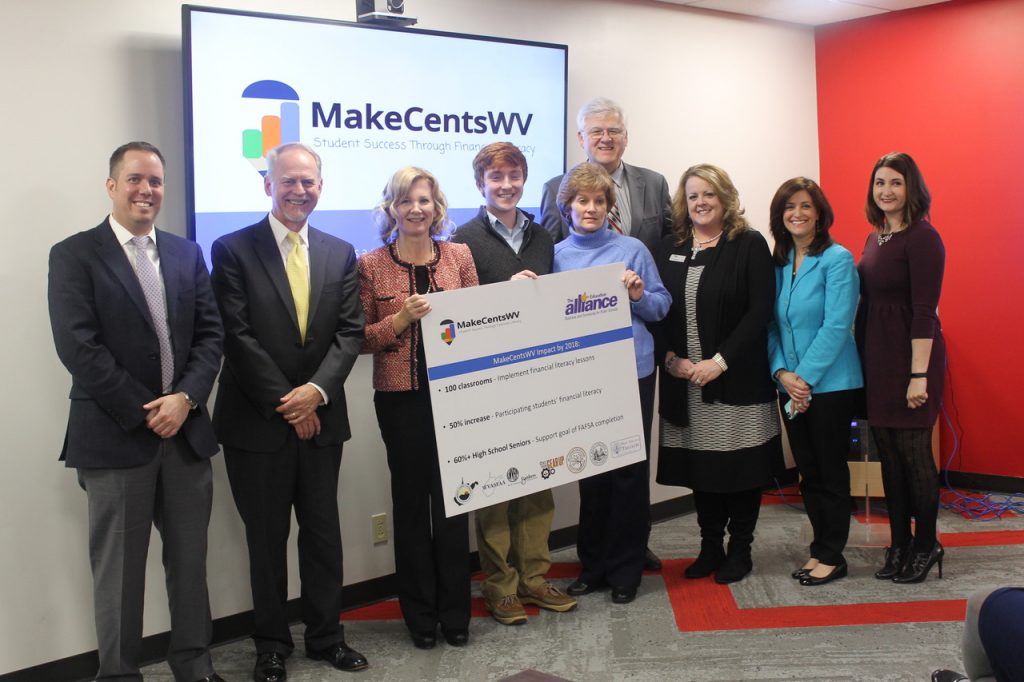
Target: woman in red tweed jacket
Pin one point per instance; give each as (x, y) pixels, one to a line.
(431, 551)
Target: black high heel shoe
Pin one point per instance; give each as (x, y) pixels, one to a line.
(920, 564)
(895, 558)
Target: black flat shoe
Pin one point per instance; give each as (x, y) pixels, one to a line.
(920, 563)
(801, 572)
(270, 668)
(948, 676)
(623, 595)
(580, 587)
(836, 573)
(895, 557)
(423, 640)
(341, 656)
(456, 636)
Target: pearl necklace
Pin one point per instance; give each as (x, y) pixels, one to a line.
(698, 246)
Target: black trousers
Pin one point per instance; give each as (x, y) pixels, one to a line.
(911, 485)
(431, 551)
(738, 511)
(266, 486)
(820, 440)
(615, 513)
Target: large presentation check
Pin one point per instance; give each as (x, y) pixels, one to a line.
(533, 384)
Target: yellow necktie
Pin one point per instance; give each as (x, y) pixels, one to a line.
(298, 280)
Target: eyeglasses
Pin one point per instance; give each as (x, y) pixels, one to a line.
(598, 133)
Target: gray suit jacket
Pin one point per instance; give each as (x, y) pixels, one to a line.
(650, 204)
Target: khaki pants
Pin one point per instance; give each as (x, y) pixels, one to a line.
(512, 538)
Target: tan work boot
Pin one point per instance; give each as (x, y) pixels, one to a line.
(508, 610)
(547, 596)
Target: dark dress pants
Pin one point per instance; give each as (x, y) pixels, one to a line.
(615, 513)
(174, 492)
(266, 485)
(820, 441)
(431, 551)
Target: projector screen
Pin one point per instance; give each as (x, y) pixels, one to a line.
(369, 100)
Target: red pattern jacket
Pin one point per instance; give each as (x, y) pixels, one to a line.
(385, 283)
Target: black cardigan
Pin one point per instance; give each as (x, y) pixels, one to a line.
(735, 300)
(494, 259)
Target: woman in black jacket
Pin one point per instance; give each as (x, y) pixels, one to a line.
(719, 423)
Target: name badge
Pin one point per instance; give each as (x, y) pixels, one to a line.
(677, 258)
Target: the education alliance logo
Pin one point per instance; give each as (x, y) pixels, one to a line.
(585, 303)
(279, 127)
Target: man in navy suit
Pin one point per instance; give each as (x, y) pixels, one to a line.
(289, 295)
(135, 322)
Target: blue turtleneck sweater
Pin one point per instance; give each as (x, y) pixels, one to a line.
(586, 249)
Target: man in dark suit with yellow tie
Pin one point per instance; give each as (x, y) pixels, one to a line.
(289, 296)
(135, 323)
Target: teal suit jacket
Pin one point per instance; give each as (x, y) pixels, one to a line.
(812, 330)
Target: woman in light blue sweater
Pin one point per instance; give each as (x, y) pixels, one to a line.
(613, 506)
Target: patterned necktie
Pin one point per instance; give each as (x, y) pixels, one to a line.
(149, 280)
(614, 220)
(298, 280)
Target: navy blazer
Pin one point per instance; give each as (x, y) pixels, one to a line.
(649, 201)
(812, 331)
(264, 355)
(104, 335)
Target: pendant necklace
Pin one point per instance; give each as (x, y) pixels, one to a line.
(698, 246)
(883, 238)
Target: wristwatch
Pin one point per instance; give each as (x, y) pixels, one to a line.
(192, 404)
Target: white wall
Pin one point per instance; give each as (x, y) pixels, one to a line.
(82, 76)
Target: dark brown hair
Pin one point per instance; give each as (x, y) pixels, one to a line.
(783, 239)
(919, 199)
(118, 156)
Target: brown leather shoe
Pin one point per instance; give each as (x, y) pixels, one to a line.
(547, 596)
(508, 610)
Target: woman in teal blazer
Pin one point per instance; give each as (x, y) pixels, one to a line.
(814, 362)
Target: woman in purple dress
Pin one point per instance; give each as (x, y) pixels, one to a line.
(904, 359)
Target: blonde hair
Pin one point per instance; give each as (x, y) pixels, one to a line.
(733, 221)
(398, 188)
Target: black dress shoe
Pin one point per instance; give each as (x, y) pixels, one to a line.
(651, 561)
(212, 678)
(270, 668)
(456, 636)
(580, 587)
(341, 656)
(423, 640)
(623, 595)
(836, 573)
(948, 676)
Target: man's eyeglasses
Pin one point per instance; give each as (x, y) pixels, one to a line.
(598, 133)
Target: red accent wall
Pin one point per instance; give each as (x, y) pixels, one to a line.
(945, 83)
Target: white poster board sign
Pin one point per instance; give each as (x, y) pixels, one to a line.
(533, 384)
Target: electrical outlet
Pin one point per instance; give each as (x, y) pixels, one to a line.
(379, 523)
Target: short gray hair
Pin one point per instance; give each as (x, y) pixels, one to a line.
(276, 152)
(599, 105)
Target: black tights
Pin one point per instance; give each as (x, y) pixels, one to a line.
(911, 485)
